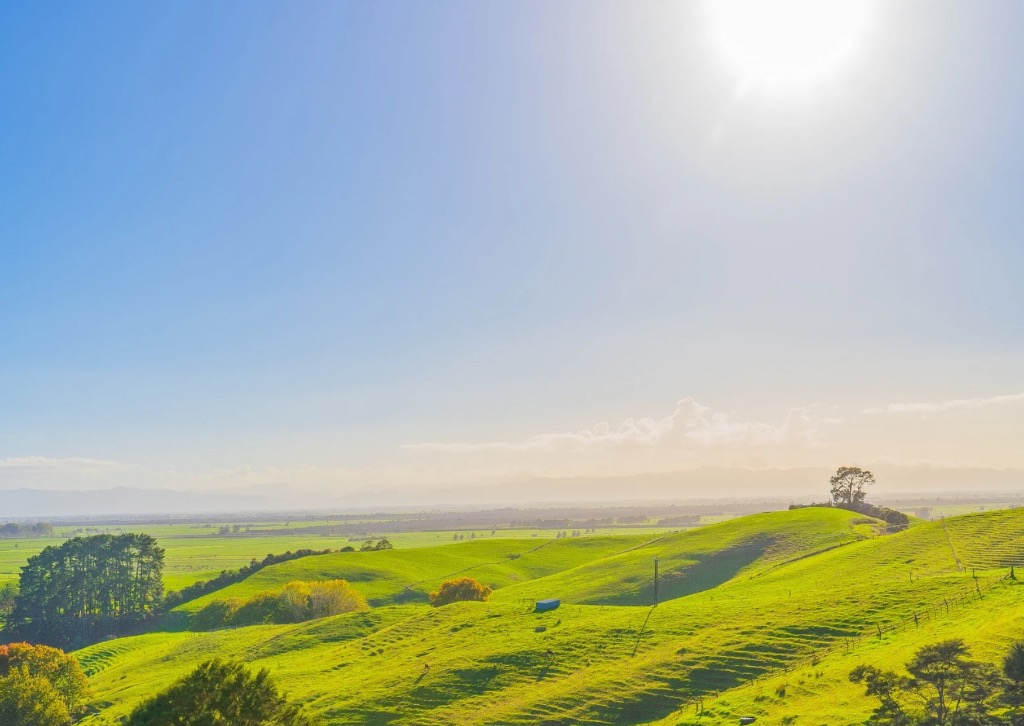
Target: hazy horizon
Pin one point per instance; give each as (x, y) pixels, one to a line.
(357, 250)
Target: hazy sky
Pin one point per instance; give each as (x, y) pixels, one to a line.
(337, 243)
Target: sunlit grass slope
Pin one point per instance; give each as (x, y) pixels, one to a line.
(700, 559)
(490, 663)
(397, 575)
(988, 540)
(821, 693)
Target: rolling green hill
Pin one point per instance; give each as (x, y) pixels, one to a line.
(799, 599)
(392, 576)
(700, 559)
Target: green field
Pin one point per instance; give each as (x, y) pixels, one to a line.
(786, 602)
(197, 552)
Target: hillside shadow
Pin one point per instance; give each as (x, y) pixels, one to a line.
(709, 572)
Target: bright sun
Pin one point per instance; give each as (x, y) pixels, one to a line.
(783, 44)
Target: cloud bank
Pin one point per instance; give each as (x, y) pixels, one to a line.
(953, 405)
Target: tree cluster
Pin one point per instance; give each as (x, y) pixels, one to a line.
(847, 489)
(462, 589)
(8, 595)
(295, 603)
(220, 692)
(88, 588)
(13, 530)
(944, 686)
(40, 686)
(230, 577)
(370, 546)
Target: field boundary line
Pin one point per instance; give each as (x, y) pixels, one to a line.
(952, 547)
(802, 557)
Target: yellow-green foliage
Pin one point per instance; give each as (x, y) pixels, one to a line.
(30, 700)
(296, 602)
(308, 600)
(464, 589)
(61, 670)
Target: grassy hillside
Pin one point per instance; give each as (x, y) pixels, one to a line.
(698, 560)
(198, 552)
(794, 598)
(391, 576)
(988, 540)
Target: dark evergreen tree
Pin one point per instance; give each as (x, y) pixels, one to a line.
(220, 692)
(88, 588)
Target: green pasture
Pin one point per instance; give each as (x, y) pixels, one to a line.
(798, 601)
(391, 576)
(198, 552)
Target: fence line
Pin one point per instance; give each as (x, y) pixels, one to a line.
(961, 597)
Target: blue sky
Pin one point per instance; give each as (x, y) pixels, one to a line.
(401, 241)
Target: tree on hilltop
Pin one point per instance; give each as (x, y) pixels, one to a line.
(848, 485)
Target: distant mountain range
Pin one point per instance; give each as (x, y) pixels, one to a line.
(798, 485)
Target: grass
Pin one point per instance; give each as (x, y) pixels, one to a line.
(197, 552)
(761, 605)
(399, 575)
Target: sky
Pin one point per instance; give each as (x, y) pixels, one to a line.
(331, 245)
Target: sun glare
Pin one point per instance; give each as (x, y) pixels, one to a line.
(782, 44)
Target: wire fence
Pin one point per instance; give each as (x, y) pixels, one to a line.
(959, 598)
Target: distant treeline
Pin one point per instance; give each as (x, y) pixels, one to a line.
(891, 517)
(13, 530)
(230, 577)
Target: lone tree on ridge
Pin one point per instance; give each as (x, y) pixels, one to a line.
(848, 485)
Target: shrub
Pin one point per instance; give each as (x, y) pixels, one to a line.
(262, 609)
(333, 597)
(295, 603)
(218, 614)
(465, 588)
(220, 692)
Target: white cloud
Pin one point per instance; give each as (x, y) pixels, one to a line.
(690, 426)
(952, 405)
